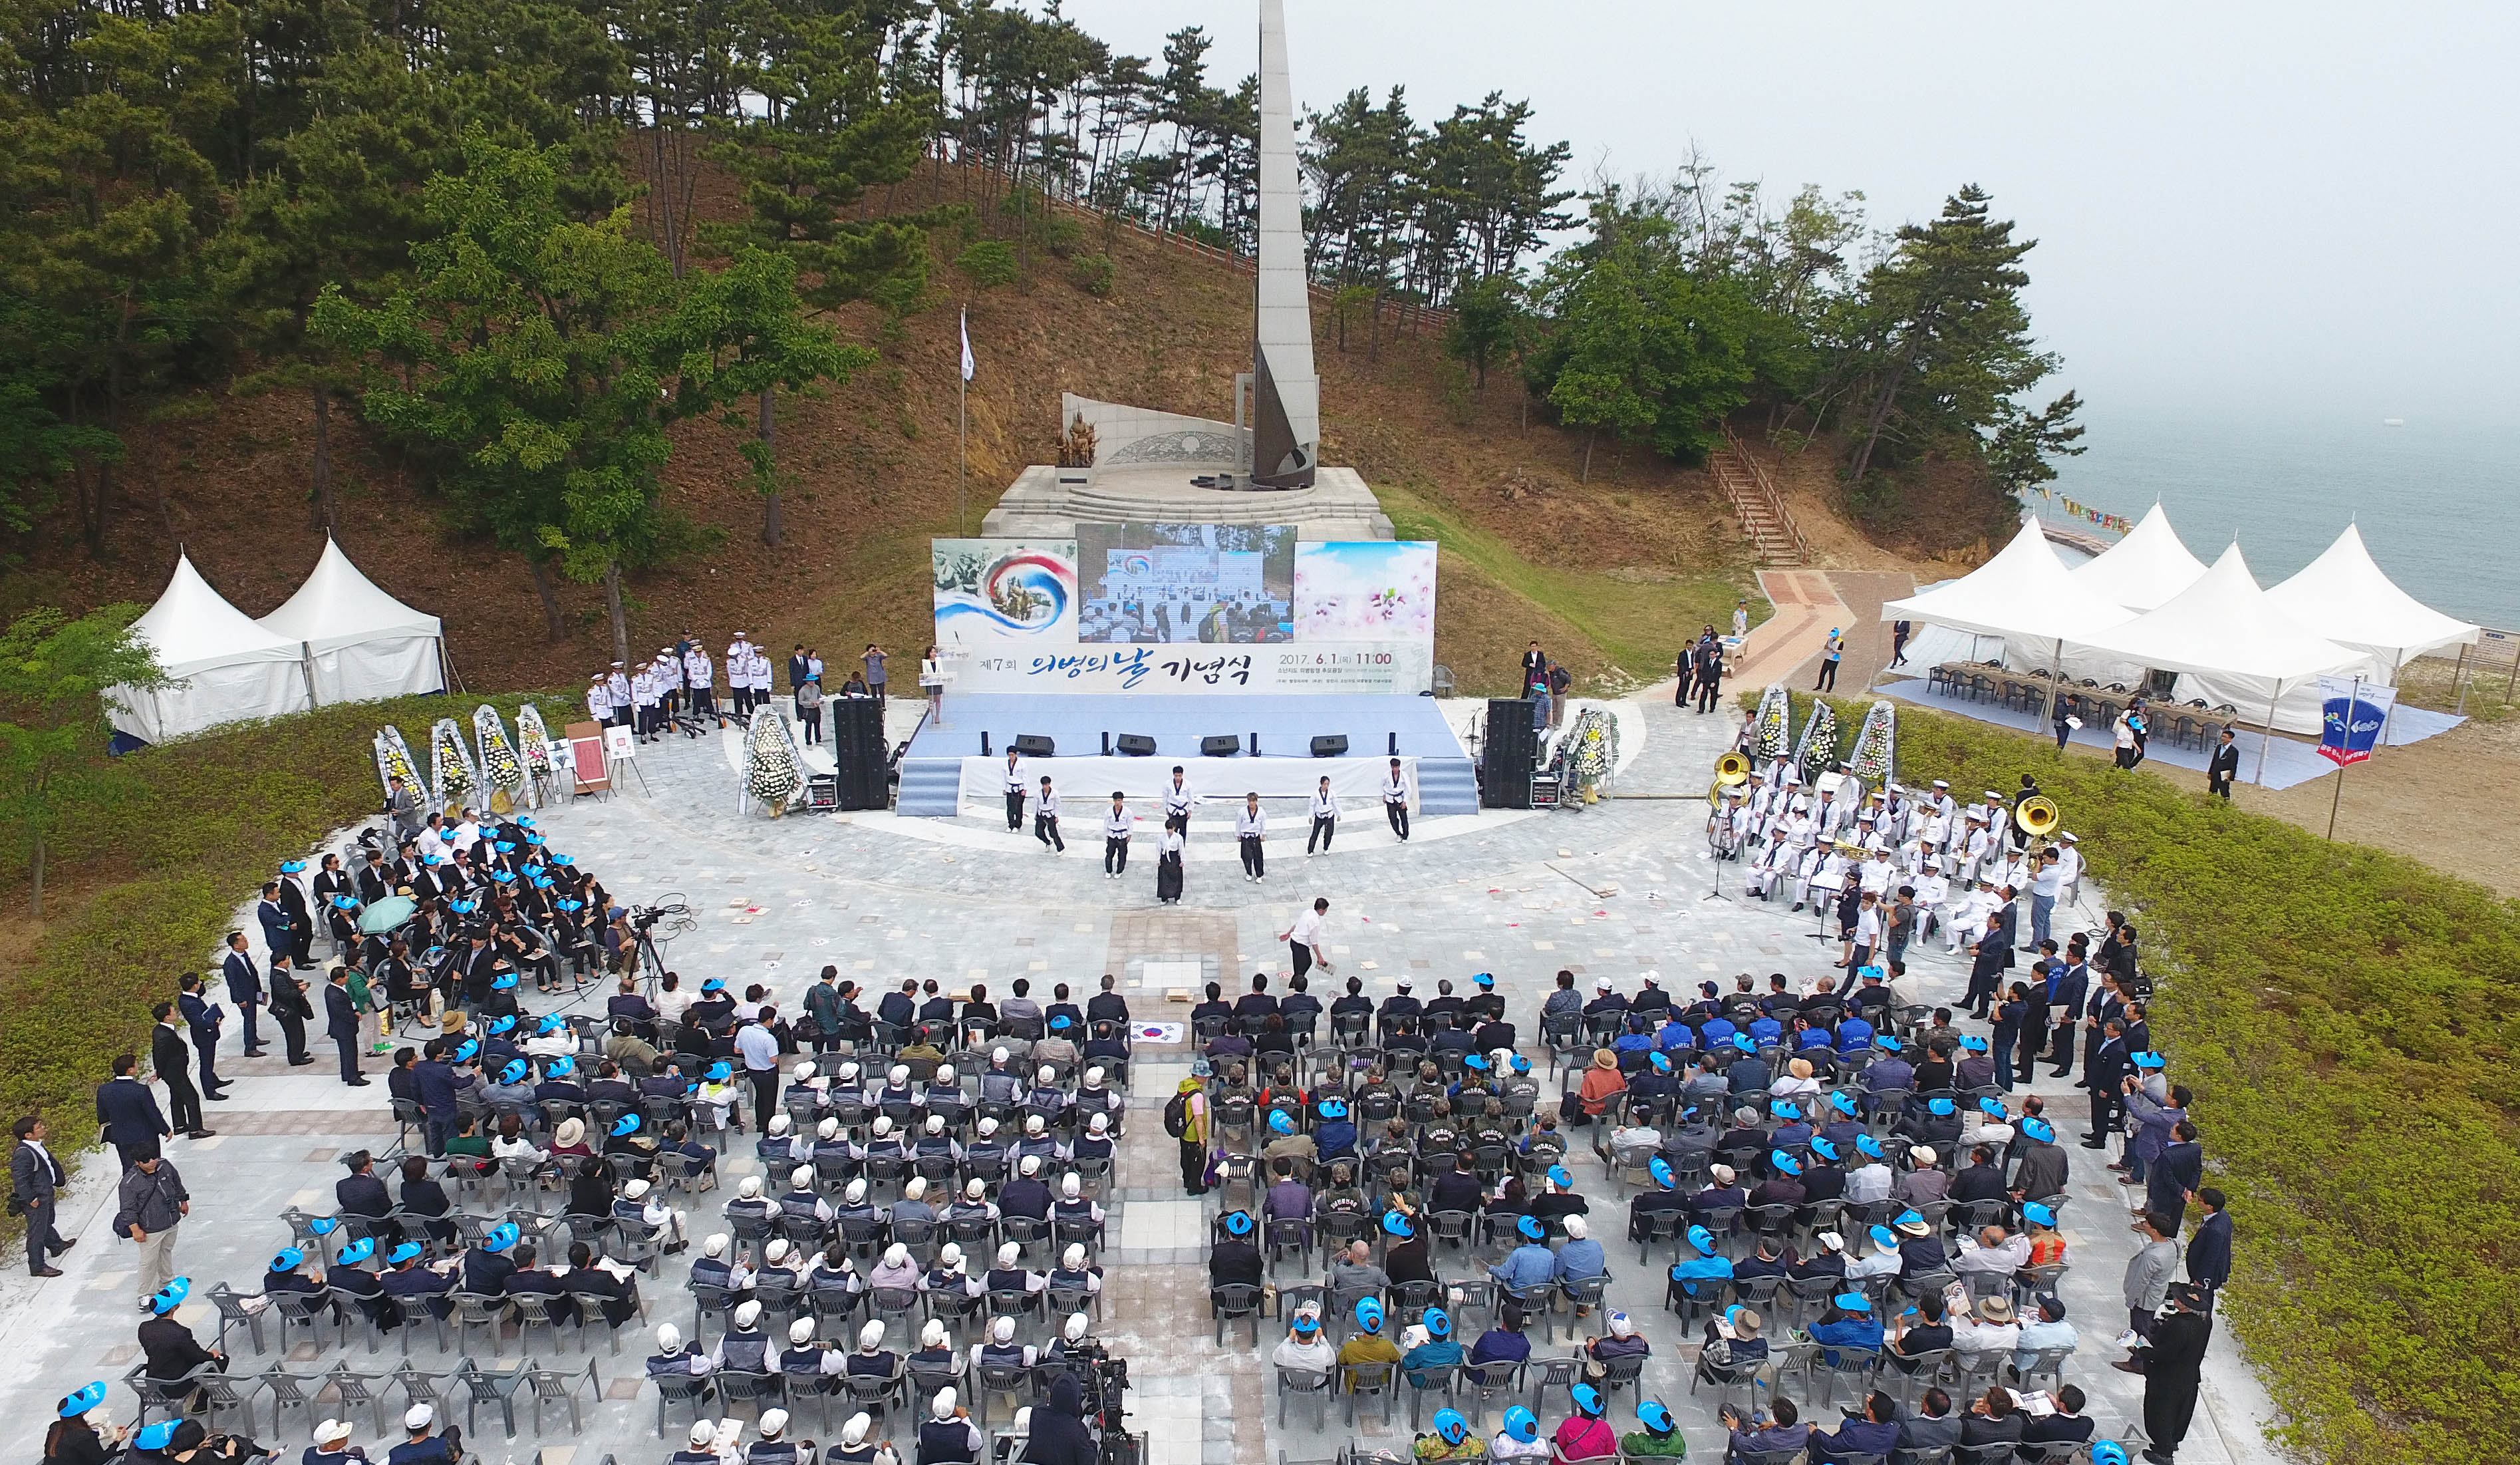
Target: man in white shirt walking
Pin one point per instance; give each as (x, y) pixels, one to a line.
(1304, 938)
(1178, 802)
(1395, 800)
(1324, 816)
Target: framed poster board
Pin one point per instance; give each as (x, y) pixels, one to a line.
(586, 756)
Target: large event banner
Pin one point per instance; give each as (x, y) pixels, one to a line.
(1186, 607)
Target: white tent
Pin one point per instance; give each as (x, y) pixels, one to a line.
(2025, 595)
(359, 643)
(225, 667)
(2233, 646)
(2145, 569)
(2344, 596)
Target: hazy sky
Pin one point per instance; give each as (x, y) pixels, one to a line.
(2273, 208)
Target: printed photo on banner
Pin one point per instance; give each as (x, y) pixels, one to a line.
(2352, 712)
(1366, 590)
(1005, 593)
(1171, 583)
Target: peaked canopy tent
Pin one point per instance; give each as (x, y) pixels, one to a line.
(2025, 594)
(2232, 645)
(223, 666)
(2143, 571)
(357, 642)
(2343, 596)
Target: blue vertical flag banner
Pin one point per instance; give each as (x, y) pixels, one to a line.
(2352, 714)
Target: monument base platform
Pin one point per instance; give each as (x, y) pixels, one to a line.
(1038, 506)
(944, 769)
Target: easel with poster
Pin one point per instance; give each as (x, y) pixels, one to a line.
(621, 748)
(585, 744)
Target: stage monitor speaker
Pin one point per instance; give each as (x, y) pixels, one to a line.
(1136, 745)
(1032, 745)
(1334, 744)
(1507, 757)
(865, 766)
(1222, 745)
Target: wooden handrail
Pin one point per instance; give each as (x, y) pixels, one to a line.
(1764, 490)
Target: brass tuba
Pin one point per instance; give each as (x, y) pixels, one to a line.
(2038, 816)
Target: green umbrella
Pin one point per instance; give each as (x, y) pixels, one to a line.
(387, 914)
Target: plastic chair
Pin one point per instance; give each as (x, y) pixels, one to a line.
(741, 1385)
(560, 1386)
(232, 1309)
(311, 1309)
(475, 1309)
(1235, 1301)
(680, 1388)
(1422, 1383)
(1012, 1381)
(416, 1314)
(1485, 1382)
(481, 1387)
(1858, 1364)
(1292, 1382)
(353, 1393)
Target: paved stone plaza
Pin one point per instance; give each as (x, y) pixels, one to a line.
(1614, 888)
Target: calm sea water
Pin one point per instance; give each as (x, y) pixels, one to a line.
(2436, 500)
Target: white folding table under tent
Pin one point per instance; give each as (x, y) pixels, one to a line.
(2143, 571)
(224, 667)
(2231, 646)
(357, 642)
(2344, 596)
(2024, 595)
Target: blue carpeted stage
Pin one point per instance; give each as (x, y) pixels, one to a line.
(1377, 728)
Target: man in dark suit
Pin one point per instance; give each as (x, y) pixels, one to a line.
(35, 1180)
(341, 1024)
(1535, 668)
(289, 1005)
(167, 1056)
(2209, 1252)
(202, 1017)
(301, 917)
(245, 989)
(1710, 674)
(126, 1111)
(2107, 1073)
(1993, 958)
(2223, 766)
(278, 935)
(2170, 1180)
(2069, 982)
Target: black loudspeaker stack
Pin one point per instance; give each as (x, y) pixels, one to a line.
(857, 746)
(1222, 745)
(1508, 753)
(1331, 745)
(1033, 745)
(1136, 745)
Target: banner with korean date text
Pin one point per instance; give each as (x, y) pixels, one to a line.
(1400, 669)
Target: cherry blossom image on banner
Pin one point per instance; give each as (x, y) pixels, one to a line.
(1366, 590)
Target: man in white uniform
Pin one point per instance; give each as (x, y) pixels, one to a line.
(1395, 800)
(1115, 837)
(738, 673)
(1178, 802)
(1249, 827)
(599, 698)
(699, 679)
(1045, 819)
(1012, 787)
(1324, 816)
(616, 691)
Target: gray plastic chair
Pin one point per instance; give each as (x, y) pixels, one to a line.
(1292, 1382)
(483, 1387)
(680, 1388)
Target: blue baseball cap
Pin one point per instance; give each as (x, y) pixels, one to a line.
(2109, 1452)
(1530, 1228)
(566, 903)
(287, 1258)
(1702, 1239)
(720, 1072)
(1449, 1423)
(1884, 1238)
(2038, 1128)
(1476, 1062)
(2033, 1211)
(1334, 1108)
(1972, 1042)
(1368, 1313)
(292, 866)
(1661, 1063)
(463, 908)
(1281, 1121)
(1485, 978)
(1522, 1425)
(1521, 1065)
(345, 903)
(1843, 1103)
(1992, 1107)
(1587, 1400)
(560, 1067)
(1558, 1177)
(75, 1404)
(1868, 1145)
(628, 1123)
(322, 1225)
(499, 1025)
(1852, 1301)
(1942, 1106)
(503, 877)
(409, 1251)
(514, 1073)
(156, 1436)
(2147, 1060)
(1237, 1224)
(468, 1051)
(1783, 1164)
(506, 981)
(1439, 1323)
(1785, 1109)
(1396, 1224)
(1062, 1023)
(551, 1023)
(714, 985)
(356, 1252)
(1823, 1148)
(1654, 1417)
(1741, 1041)
(1660, 1169)
(504, 846)
(1887, 1043)
(501, 1237)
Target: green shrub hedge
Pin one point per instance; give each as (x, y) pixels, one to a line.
(197, 825)
(2348, 1019)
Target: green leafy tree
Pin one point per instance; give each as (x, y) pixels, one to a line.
(1488, 321)
(539, 353)
(2019, 450)
(53, 674)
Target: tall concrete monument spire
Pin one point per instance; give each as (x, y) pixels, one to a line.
(1287, 418)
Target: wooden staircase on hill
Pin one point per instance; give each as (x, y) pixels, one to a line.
(1756, 504)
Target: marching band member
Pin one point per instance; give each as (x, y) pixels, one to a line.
(699, 679)
(616, 691)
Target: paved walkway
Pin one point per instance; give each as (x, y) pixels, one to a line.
(1786, 646)
(1616, 889)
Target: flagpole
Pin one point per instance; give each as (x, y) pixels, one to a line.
(963, 427)
(2338, 797)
